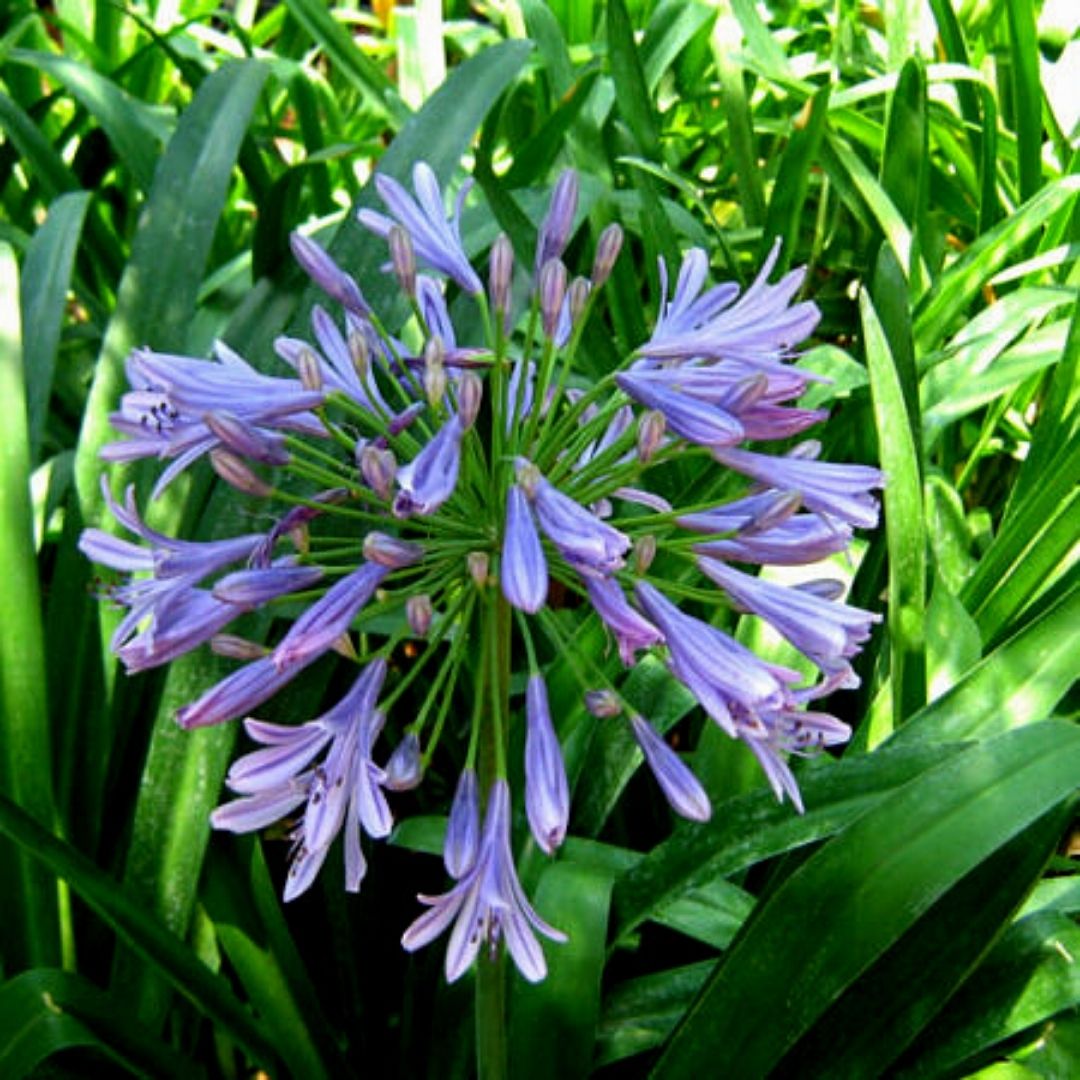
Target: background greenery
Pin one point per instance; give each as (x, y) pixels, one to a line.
(921, 159)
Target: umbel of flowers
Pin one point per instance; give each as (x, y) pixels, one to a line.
(453, 483)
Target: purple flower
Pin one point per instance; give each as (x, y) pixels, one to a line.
(430, 478)
(825, 631)
(715, 668)
(547, 795)
(462, 840)
(328, 618)
(345, 790)
(321, 268)
(487, 905)
(163, 412)
(827, 487)
(695, 420)
(523, 568)
(795, 541)
(435, 239)
(680, 786)
(631, 629)
(761, 325)
(582, 538)
(556, 226)
(253, 588)
(236, 694)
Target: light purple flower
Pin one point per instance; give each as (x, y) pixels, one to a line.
(487, 905)
(462, 840)
(404, 767)
(695, 420)
(547, 794)
(321, 268)
(589, 545)
(255, 587)
(825, 631)
(237, 694)
(430, 478)
(631, 629)
(827, 487)
(163, 412)
(559, 220)
(523, 568)
(328, 618)
(680, 786)
(795, 541)
(761, 325)
(435, 239)
(716, 669)
(345, 790)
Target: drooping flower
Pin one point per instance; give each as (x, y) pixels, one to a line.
(487, 905)
(680, 786)
(523, 568)
(547, 794)
(343, 791)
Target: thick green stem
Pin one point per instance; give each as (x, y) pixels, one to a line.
(491, 1040)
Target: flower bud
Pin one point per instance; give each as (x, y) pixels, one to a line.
(402, 259)
(404, 418)
(607, 251)
(390, 551)
(434, 372)
(644, 553)
(602, 703)
(650, 434)
(478, 563)
(463, 827)
(501, 273)
(310, 372)
(579, 297)
(822, 588)
(378, 468)
(359, 352)
(245, 440)
(237, 648)
(547, 793)
(418, 613)
(552, 290)
(470, 393)
(235, 472)
(405, 769)
(680, 786)
(556, 226)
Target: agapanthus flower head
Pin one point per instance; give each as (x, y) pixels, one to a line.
(460, 503)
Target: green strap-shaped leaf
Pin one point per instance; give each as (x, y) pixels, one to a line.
(122, 118)
(849, 904)
(904, 524)
(29, 931)
(156, 298)
(209, 993)
(44, 1011)
(46, 279)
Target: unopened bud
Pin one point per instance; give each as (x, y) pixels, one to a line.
(404, 770)
(607, 251)
(806, 451)
(644, 552)
(434, 372)
(478, 564)
(778, 509)
(404, 418)
(386, 550)
(235, 472)
(378, 468)
(528, 476)
(237, 648)
(602, 703)
(579, 297)
(822, 588)
(403, 259)
(359, 352)
(552, 290)
(747, 393)
(501, 272)
(419, 612)
(470, 394)
(556, 226)
(310, 372)
(650, 434)
(245, 440)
